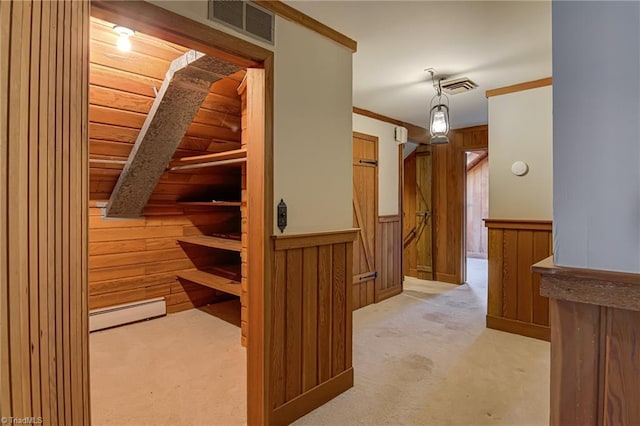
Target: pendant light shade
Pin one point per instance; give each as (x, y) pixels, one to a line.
(439, 115)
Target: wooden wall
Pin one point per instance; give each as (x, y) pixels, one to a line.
(514, 301)
(121, 93)
(311, 341)
(448, 186)
(44, 360)
(389, 262)
(131, 260)
(595, 367)
(477, 208)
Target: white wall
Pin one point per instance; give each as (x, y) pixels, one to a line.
(388, 167)
(312, 130)
(312, 122)
(520, 129)
(596, 110)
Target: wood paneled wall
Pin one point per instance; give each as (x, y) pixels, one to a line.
(389, 280)
(477, 209)
(595, 366)
(138, 259)
(44, 360)
(121, 93)
(449, 202)
(311, 342)
(514, 301)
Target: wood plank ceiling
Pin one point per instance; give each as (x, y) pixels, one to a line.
(121, 92)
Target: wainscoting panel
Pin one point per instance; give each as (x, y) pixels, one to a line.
(514, 301)
(389, 280)
(311, 344)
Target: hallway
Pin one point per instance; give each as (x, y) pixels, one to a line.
(426, 358)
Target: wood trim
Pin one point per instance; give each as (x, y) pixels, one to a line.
(388, 293)
(313, 398)
(366, 137)
(519, 87)
(389, 218)
(415, 133)
(294, 15)
(519, 327)
(533, 225)
(287, 242)
(606, 288)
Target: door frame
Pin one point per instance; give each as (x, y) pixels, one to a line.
(175, 28)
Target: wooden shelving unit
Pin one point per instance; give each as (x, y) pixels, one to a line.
(208, 278)
(211, 203)
(235, 156)
(213, 242)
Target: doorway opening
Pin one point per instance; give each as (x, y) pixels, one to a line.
(171, 128)
(477, 209)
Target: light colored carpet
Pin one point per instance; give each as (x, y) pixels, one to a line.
(426, 358)
(421, 358)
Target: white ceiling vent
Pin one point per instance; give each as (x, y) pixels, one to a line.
(243, 16)
(459, 85)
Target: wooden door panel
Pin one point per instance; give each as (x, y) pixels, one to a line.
(365, 217)
(423, 215)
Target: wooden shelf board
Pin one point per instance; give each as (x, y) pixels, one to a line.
(213, 242)
(236, 154)
(206, 278)
(211, 203)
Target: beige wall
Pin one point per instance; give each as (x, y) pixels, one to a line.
(388, 168)
(520, 129)
(312, 123)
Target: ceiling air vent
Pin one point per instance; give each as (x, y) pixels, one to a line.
(243, 16)
(460, 85)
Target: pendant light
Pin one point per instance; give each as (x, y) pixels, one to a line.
(438, 114)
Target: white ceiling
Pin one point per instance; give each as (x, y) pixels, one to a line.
(495, 44)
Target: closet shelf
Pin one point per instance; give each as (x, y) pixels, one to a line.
(209, 160)
(213, 242)
(206, 278)
(211, 203)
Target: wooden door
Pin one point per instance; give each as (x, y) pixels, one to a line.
(418, 213)
(365, 217)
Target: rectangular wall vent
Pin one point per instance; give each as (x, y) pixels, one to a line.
(460, 85)
(245, 17)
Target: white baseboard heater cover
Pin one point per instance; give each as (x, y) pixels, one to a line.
(126, 313)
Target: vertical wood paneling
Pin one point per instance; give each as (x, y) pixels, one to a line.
(43, 296)
(495, 271)
(389, 280)
(325, 309)
(293, 333)
(312, 320)
(514, 300)
(477, 209)
(622, 386)
(540, 303)
(510, 275)
(278, 340)
(525, 286)
(339, 307)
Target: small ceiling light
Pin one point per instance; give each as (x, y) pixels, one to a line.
(124, 44)
(438, 114)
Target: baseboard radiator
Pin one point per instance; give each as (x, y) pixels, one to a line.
(113, 316)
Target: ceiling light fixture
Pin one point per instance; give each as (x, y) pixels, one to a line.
(124, 44)
(438, 113)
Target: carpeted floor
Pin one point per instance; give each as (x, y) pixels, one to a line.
(421, 358)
